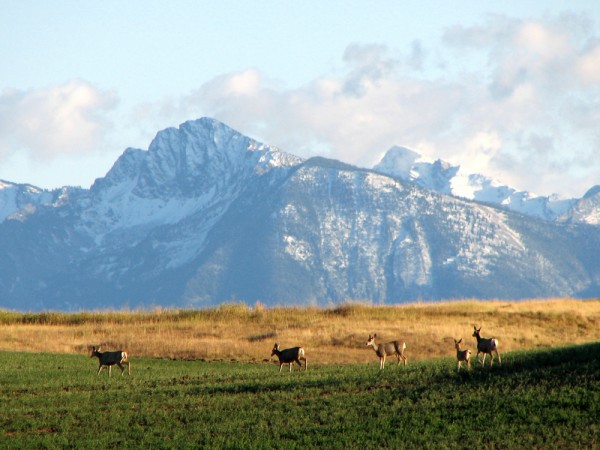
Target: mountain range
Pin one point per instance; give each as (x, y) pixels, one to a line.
(207, 215)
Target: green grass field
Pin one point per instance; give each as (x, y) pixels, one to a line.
(537, 399)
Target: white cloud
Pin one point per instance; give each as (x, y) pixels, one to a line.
(53, 121)
(588, 66)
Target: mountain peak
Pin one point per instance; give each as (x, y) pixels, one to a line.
(204, 128)
(398, 161)
(593, 191)
(192, 159)
(14, 196)
(406, 164)
(200, 165)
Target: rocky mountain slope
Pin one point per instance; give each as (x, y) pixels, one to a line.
(207, 215)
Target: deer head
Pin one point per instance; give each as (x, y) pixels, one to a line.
(371, 339)
(275, 349)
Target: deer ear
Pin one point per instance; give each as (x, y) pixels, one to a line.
(460, 340)
(375, 335)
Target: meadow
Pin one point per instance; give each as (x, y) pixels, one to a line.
(337, 335)
(193, 386)
(537, 399)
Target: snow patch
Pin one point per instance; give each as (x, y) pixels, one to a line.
(297, 248)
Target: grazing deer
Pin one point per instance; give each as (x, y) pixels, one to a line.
(391, 348)
(109, 359)
(462, 355)
(486, 346)
(290, 356)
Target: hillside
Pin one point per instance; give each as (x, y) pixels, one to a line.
(334, 335)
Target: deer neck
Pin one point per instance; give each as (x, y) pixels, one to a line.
(379, 349)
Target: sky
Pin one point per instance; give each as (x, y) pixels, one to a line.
(507, 89)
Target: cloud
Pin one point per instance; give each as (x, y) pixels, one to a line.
(543, 98)
(58, 120)
(528, 115)
(588, 66)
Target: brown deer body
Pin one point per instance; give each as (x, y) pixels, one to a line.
(462, 355)
(487, 346)
(388, 349)
(109, 359)
(290, 356)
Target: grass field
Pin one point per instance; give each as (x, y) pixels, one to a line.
(546, 398)
(203, 378)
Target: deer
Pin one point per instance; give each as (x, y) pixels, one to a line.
(390, 348)
(486, 346)
(462, 355)
(109, 359)
(290, 356)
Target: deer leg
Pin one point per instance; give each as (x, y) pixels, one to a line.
(478, 358)
(498, 355)
(100, 369)
(122, 368)
(110, 371)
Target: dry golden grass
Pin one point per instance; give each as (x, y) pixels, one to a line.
(334, 335)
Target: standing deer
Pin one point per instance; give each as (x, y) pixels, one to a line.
(290, 356)
(109, 359)
(391, 348)
(462, 355)
(486, 346)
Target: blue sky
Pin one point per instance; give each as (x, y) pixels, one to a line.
(509, 89)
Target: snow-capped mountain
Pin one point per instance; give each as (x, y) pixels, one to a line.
(586, 209)
(188, 174)
(20, 197)
(445, 178)
(207, 215)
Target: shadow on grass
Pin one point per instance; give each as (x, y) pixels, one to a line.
(570, 364)
(565, 366)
